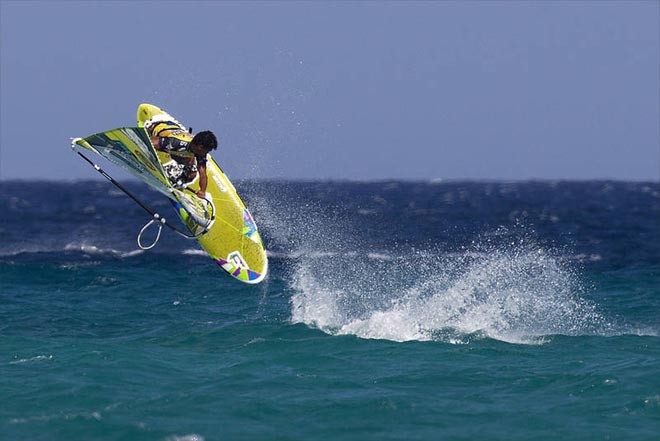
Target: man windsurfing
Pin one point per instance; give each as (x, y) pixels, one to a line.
(190, 152)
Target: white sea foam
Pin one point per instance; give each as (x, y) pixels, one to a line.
(72, 246)
(517, 295)
(191, 437)
(60, 416)
(95, 250)
(28, 360)
(502, 286)
(194, 252)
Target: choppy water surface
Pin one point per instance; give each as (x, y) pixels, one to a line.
(393, 310)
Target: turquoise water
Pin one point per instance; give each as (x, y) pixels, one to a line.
(393, 310)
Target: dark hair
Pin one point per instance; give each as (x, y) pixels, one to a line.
(205, 139)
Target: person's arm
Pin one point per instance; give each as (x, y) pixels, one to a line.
(163, 144)
(203, 180)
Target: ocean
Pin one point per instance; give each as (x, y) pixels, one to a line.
(392, 311)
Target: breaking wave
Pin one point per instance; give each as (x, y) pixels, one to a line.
(519, 294)
(504, 285)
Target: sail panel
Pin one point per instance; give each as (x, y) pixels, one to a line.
(130, 148)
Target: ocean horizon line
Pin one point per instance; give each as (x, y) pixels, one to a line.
(365, 180)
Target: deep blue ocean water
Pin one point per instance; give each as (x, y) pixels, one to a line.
(392, 311)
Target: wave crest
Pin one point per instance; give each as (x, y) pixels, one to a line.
(519, 294)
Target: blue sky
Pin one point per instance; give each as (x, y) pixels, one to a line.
(343, 90)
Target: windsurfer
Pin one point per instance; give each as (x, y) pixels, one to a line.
(189, 151)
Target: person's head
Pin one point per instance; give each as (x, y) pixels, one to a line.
(203, 142)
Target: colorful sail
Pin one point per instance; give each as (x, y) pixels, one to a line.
(130, 148)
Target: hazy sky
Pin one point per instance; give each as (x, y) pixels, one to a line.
(337, 90)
